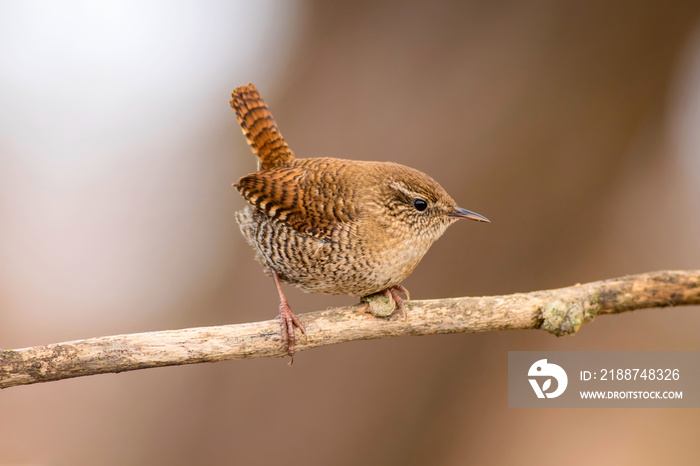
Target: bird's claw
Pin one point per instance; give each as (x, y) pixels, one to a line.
(394, 293)
(288, 321)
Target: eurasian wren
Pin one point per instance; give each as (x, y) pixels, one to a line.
(331, 225)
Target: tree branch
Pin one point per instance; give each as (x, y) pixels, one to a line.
(561, 311)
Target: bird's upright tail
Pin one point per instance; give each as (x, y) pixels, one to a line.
(260, 129)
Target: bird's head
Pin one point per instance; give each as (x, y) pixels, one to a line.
(419, 203)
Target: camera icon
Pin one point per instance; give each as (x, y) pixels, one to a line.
(541, 369)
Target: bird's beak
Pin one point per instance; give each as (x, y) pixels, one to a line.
(458, 212)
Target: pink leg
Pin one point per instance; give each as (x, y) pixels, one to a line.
(394, 292)
(287, 321)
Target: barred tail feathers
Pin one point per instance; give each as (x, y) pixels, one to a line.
(260, 129)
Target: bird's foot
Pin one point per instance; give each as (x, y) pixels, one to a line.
(394, 293)
(288, 321)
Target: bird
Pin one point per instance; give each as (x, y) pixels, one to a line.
(330, 225)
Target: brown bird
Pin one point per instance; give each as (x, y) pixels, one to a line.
(330, 225)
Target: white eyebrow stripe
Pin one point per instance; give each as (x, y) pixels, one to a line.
(400, 187)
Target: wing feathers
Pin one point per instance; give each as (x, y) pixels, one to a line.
(293, 196)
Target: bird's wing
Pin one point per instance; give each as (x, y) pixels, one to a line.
(309, 202)
(260, 129)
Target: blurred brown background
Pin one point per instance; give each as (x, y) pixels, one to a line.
(573, 126)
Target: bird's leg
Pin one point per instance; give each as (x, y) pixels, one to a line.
(401, 289)
(394, 291)
(287, 321)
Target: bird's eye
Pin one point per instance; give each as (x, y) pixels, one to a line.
(420, 204)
